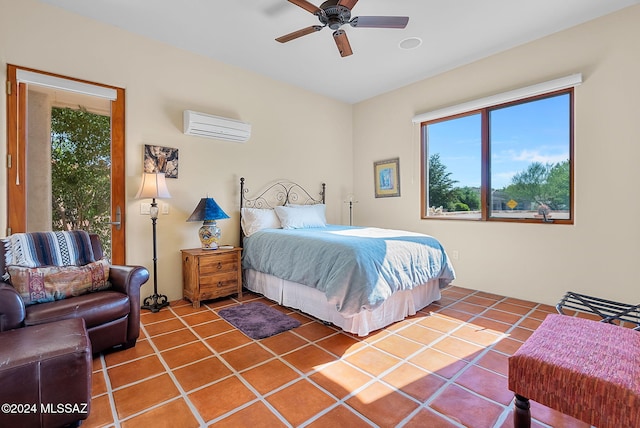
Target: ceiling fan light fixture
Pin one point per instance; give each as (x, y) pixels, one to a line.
(410, 43)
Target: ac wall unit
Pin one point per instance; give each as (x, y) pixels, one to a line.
(222, 128)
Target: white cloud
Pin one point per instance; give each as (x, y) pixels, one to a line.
(530, 156)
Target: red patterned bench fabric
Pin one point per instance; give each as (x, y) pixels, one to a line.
(582, 368)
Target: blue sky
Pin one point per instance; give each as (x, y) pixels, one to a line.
(520, 135)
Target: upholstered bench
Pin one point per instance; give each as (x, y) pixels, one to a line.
(586, 369)
(45, 375)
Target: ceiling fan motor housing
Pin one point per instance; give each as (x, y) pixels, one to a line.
(333, 15)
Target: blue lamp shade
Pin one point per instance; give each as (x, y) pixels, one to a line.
(208, 211)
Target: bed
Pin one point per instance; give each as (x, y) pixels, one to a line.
(360, 279)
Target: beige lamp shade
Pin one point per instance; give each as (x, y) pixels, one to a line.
(153, 185)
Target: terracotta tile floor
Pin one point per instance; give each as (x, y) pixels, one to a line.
(444, 367)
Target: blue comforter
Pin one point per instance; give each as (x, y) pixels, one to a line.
(357, 268)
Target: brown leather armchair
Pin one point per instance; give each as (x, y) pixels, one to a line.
(112, 316)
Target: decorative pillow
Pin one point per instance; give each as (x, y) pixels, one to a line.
(49, 283)
(36, 249)
(302, 216)
(255, 219)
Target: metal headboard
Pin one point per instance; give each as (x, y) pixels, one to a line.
(278, 194)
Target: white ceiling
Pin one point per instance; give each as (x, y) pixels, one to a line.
(242, 33)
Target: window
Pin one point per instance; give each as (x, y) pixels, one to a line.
(506, 162)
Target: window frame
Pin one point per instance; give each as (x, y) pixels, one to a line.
(485, 167)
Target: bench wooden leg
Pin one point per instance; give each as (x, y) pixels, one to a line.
(521, 413)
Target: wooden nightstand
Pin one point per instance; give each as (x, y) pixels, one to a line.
(209, 274)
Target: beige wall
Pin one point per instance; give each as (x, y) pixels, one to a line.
(160, 83)
(600, 252)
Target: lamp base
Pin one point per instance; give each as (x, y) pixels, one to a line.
(209, 235)
(155, 302)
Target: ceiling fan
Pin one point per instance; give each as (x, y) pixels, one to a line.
(336, 13)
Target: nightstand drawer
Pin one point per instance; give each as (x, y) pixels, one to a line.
(215, 280)
(220, 264)
(219, 289)
(211, 274)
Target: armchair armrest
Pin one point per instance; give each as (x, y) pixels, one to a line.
(12, 310)
(128, 279)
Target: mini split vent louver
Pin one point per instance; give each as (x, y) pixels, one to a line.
(221, 128)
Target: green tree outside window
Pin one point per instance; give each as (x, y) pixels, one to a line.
(80, 172)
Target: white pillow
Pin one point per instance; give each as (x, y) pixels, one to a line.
(255, 219)
(302, 216)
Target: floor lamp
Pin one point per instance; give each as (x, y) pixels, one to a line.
(154, 186)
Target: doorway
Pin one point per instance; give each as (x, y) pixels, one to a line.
(66, 157)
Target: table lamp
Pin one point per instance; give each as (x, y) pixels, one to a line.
(208, 211)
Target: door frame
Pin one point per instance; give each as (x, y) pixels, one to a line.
(16, 154)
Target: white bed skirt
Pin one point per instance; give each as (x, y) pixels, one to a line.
(313, 302)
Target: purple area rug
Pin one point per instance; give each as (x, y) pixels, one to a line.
(258, 320)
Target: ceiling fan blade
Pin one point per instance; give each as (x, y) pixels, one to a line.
(379, 21)
(347, 3)
(303, 32)
(342, 42)
(306, 6)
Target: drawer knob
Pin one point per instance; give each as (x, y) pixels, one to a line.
(219, 265)
(219, 284)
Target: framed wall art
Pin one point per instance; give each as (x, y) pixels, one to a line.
(161, 159)
(387, 178)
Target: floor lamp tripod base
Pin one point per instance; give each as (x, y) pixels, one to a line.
(155, 302)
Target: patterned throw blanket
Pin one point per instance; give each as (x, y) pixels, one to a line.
(36, 249)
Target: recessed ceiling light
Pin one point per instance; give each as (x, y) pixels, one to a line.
(410, 43)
